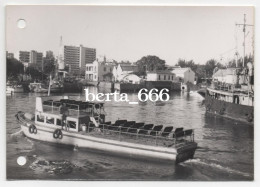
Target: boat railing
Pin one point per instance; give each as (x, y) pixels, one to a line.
(74, 109)
(223, 86)
(173, 139)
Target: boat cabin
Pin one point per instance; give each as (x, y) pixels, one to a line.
(80, 113)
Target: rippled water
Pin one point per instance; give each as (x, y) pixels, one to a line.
(225, 147)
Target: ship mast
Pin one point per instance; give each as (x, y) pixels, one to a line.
(244, 30)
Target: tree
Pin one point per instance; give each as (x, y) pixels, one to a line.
(150, 63)
(34, 72)
(49, 66)
(14, 67)
(210, 66)
(184, 64)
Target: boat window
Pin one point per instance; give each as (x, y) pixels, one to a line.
(49, 120)
(58, 122)
(40, 118)
(71, 124)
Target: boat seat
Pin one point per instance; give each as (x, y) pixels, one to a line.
(56, 103)
(127, 125)
(156, 129)
(178, 130)
(145, 129)
(120, 122)
(108, 123)
(135, 128)
(49, 102)
(188, 132)
(116, 125)
(167, 131)
(178, 134)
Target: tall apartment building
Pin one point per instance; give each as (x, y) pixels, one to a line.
(24, 56)
(77, 58)
(30, 57)
(35, 57)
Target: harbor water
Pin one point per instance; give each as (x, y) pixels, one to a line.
(225, 147)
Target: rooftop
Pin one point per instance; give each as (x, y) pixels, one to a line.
(161, 71)
(180, 70)
(128, 67)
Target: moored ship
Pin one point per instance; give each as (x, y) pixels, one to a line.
(86, 128)
(231, 94)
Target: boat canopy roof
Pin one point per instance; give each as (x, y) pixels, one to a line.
(71, 103)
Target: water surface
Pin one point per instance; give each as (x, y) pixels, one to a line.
(225, 147)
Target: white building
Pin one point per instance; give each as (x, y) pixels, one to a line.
(184, 74)
(123, 69)
(99, 71)
(161, 75)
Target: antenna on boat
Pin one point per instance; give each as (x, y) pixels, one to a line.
(244, 30)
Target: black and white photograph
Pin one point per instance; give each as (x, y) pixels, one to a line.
(130, 93)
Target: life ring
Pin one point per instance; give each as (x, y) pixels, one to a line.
(57, 134)
(32, 129)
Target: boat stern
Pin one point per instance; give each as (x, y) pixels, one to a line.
(186, 152)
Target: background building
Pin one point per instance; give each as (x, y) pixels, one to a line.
(35, 57)
(24, 56)
(184, 74)
(161, 75)
(123, 69)
(30, 57)
(99, 71)
(76, 58)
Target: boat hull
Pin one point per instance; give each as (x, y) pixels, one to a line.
(233, 111)
(117, 147)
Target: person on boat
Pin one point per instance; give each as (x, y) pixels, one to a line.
(64, 111)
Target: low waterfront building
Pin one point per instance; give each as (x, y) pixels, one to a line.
(161, 75)
(123, 69)
(184, 74)
(99, 71)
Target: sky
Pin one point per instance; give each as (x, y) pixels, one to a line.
(131, 32)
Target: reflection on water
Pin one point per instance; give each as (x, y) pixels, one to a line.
(225, 147)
